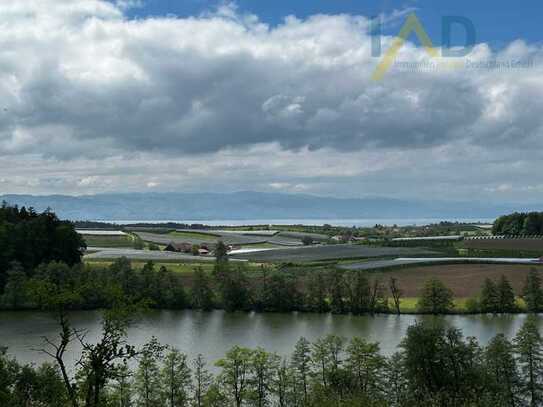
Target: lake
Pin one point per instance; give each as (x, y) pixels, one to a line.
(213, 333)
(309, 222)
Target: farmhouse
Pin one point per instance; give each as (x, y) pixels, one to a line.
(179, 247)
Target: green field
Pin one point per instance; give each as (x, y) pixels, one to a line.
(121, 241)
(177, 267)
(186, 268)
(409, 305)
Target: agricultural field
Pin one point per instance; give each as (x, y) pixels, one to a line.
(406, 262)
(465, 280)
(113, 241)
(186, 268)
(331, 252)
(533, 245)
(317, 237)
(116, 253)
(234, 238)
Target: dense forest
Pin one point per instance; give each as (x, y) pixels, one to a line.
(530, 223)
(29, 239)
(434, 366)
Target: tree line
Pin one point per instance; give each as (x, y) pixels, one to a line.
(233, 288)
(433, 366)
(519, 223)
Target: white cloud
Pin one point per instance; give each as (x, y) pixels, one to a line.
(89, 97)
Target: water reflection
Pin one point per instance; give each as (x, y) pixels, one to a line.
(213, 333)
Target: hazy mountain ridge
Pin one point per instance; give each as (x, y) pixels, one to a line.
(248, 205)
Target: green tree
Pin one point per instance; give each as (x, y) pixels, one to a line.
(532, 223)
(301, 364)
(33, 239)
(175, 378)
(396, 293)
(532, 292)
(202, 380)
(378, 298)
(15, 295)
(502, 371)
(442, 369)
(147, 383)
(435, 298)
(139, 244)
(234, 288)
(279, 293)
(506, 296)
(490, 298)
(316, 293)
(202, 296)
(320, 359)
(359, 292)
(529, 347)
(367, 366)
(9, 371)
(396, 381)
(263, 368)
(285, 386)
(337, 289)
(221, 252)
(235, 374)
(120, 388)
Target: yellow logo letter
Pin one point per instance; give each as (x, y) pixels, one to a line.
(412, 24)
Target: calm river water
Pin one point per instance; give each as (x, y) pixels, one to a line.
(213, 333)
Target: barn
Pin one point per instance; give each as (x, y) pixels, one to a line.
(179, 247)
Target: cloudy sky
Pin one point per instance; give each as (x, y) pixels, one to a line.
(157, 95)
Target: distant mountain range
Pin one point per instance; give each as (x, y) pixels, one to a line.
(250, 205)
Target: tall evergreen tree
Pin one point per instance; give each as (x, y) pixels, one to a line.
(529, 347)
(263, 367)
(148, 385)
(490, 300)
(501, 369)
(235, 374)
(175, 379)
(202, 380)
(532, 292)
(301, 364)
(506, 296)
